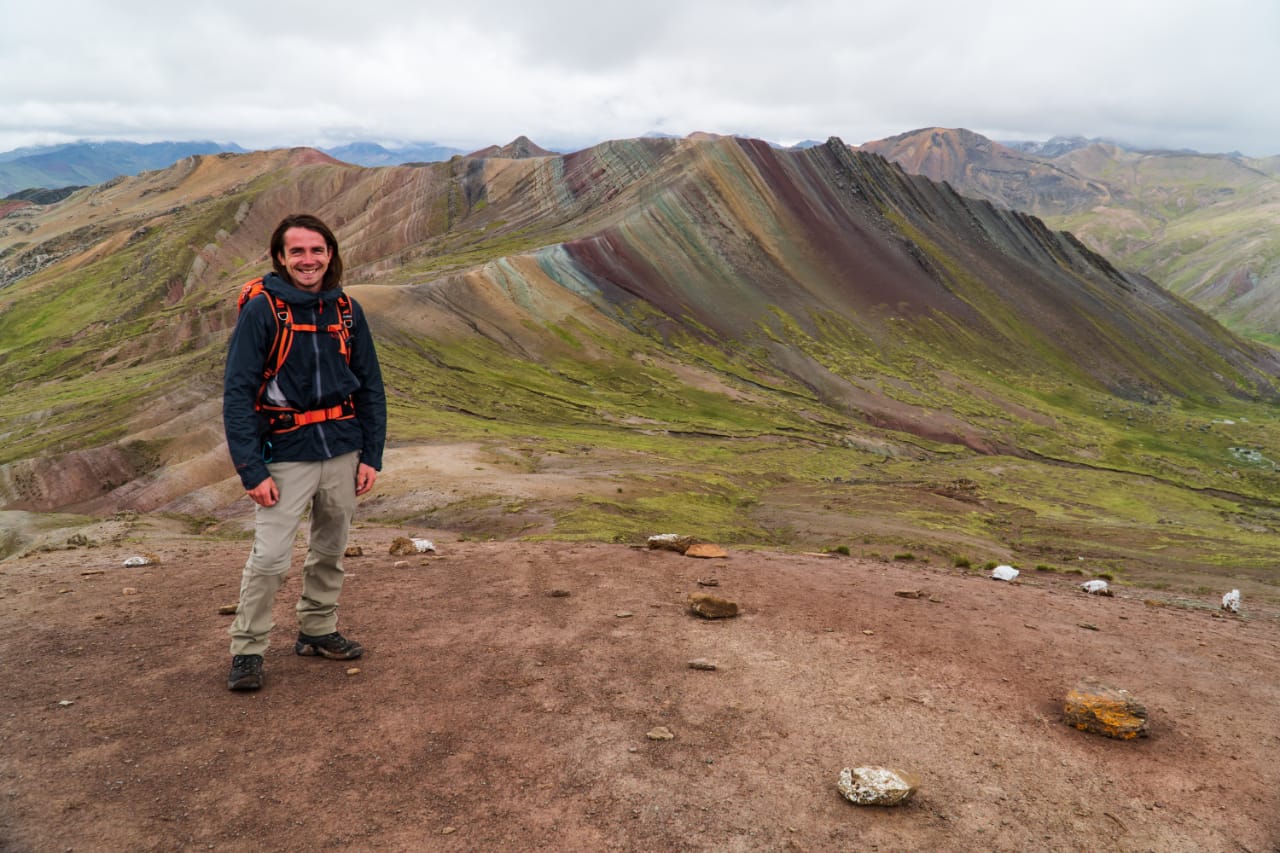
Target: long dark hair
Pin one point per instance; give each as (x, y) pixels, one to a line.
(332, 275)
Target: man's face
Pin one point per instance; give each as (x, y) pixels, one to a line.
(305, 257)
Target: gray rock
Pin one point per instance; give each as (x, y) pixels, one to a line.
(877, 786)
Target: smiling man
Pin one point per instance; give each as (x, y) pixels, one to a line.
(305, 417)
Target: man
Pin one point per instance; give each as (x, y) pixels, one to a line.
(309, 435)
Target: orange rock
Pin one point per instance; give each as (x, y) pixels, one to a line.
(1104, 710)
(706, 551)
(403, 546)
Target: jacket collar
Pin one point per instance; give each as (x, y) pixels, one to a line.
(286, 291)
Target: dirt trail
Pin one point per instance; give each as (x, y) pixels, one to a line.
(490, 714)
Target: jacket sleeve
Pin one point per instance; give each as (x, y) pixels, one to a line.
(371, 399)
(242, 378)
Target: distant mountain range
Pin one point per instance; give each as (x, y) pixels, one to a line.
(89, 163)
(1203, 225)
(79, 164)
(1200, 224)
(694, 287)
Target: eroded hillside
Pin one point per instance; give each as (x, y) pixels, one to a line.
(734, 326)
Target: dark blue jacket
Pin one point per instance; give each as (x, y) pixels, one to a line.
(315, 376)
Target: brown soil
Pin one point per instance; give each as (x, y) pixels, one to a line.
(490, 714)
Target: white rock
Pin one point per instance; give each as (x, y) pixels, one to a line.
(424, 545)
(1004, 573)
(130, 562)
(1231, 601)
(876, 786)
(1096, 587)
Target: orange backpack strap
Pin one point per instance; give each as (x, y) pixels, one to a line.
(340, 330)
(283, 338)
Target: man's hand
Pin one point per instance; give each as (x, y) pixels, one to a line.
(265, 493)
(365, 476)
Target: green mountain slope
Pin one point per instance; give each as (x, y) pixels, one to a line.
(749, 336)
(1204, 226)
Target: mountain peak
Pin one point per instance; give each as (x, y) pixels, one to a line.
(520, 148)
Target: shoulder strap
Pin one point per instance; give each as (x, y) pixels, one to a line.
(283, 316)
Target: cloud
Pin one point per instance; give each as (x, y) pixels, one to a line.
(565, 72)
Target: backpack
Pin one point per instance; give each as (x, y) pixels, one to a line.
(281, 419)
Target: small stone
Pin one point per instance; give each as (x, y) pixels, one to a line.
(1004, 573)
(228, 609)
(402, 546)
(66, 703)
(355, 670)
(1101, 709)
(624, 614)
(706, 551)
(1098, 587)
(909, 593)
(702, 663)
(400, 564)
(708, 582)
(128, 590)
(711, 607)
(353, 551)
(869, 632)
(449, 830)
(660, 733)
(1088, 626)
(876, 786)
(133, 562)
(933, 599)
(671, 542)
(558, 593)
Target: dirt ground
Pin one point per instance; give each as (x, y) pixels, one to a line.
(490, 714)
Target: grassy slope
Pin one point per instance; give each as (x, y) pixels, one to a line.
(1122, 480)
(1202, 226)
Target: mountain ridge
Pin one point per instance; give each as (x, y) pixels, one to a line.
(643, 297)
(1200, 224)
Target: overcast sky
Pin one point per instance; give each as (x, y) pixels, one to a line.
(569, 73)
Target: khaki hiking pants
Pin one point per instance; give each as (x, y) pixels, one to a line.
(329, 489)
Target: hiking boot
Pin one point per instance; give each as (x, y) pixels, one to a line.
(246, 672)
(333, 646)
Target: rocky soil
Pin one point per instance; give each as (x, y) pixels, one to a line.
(510, 689)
